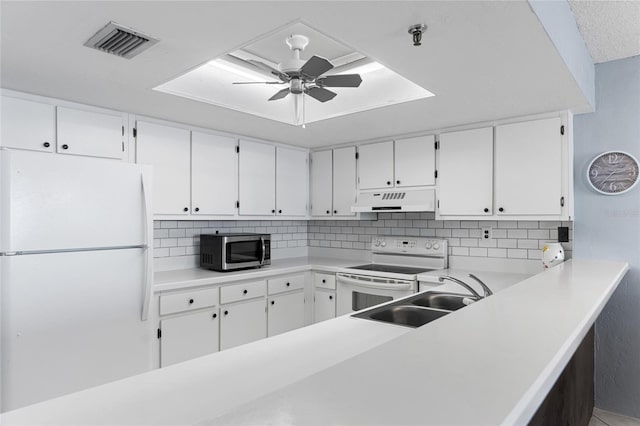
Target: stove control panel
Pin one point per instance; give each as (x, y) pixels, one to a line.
(409, 245)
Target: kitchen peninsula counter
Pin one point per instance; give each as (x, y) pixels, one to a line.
(492, 362)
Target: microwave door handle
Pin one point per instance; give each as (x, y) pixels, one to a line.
(381, 286)
(264, 251)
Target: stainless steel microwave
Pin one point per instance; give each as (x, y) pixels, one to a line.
(228, 252)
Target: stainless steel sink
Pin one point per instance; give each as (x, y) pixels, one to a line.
(417, 310)
(448, 301)
(407, 315)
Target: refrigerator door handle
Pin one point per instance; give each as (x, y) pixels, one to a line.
(148, 274)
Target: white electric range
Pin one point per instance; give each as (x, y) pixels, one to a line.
(396, 263)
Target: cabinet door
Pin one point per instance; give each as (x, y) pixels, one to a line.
(90, 133)
(167, 149)
(188, 336)
(292, 185)
(257, 178)
(324, 305)
(465, 172)
(344, 181)
(415, 161)
(28, 125)
(321, 183)
(242, 323)
(376, 165)
(285, 313)
(214, 174)
(528, 169)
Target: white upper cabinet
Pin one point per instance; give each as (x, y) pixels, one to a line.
(257, 181)
(28, 125)
(90, 133)
(528, 168)
(321, 182)
(214, 174)
(167, 149)
(344, 180)
(292, 185)
(376, 165)
(465, 173)
(333, 182)
(400, 164)
(415, 161)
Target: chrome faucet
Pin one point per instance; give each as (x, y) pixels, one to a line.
(475, 295)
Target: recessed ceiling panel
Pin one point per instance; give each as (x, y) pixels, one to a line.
(213, 82)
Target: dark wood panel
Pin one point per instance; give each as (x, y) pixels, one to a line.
(570, 400)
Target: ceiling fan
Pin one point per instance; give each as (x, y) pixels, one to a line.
(305, 77)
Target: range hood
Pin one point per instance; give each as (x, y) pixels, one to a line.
(395, 200)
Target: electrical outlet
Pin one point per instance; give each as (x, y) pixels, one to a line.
(563, 234)
(486, 233)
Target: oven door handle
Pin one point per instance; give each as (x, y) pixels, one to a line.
(380, 286)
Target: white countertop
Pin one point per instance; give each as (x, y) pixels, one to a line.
(185, 278)
(489, 363)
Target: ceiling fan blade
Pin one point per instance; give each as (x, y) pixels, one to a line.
(340, 80)
(315, 66)
(321, 94)
(282, 76)
(258, 82)
(281, 94)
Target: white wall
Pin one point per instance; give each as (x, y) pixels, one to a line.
(609, 227)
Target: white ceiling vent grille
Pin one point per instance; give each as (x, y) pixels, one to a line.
(121, 41)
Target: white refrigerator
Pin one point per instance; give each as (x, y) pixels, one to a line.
(76, 271)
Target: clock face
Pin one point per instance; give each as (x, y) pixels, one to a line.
(613, 172)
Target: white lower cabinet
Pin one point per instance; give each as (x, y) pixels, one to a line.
(324, 304)
(285, 312)
(188, 336)
(242, 323)
(324, 296)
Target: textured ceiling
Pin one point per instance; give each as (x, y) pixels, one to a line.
(611, 29)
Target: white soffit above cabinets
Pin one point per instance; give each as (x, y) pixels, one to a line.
(212, 82)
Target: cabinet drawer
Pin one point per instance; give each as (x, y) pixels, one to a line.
(282, 284)
(324, 281)
(233, 293)
(188, 301)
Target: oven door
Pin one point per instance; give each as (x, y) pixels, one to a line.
(243, 252)
(356, 292)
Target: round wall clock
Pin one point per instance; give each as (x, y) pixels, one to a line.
(613, 172)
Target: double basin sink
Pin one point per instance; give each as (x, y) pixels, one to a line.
(417, 310)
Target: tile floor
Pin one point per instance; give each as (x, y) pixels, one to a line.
(605, 418)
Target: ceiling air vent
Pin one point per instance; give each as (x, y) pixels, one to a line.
(121, 41)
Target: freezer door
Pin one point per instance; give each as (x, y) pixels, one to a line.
(71, 321)
(54, 202)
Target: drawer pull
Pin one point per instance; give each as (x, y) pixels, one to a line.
(288, 284)
(244, 291)
(46, 144)
(215, 316)
(226, 312)
(330, 297)
(65, 146)
(273, 302)
(191, 301)
(324, 281)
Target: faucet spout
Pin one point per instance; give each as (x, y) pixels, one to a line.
(475, 294)
(487, 290)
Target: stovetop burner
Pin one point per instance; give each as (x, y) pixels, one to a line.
(391, 268)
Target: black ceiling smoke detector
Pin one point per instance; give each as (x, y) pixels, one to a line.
(416, 31)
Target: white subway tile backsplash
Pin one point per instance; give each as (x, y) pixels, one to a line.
(512, 239)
